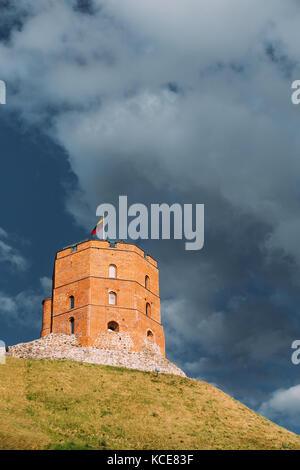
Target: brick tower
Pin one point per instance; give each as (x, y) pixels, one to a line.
(107, 294)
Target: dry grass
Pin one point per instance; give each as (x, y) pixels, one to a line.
(69, 405)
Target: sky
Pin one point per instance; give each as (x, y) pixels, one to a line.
(175, 102)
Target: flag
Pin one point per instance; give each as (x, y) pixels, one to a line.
(98, 226)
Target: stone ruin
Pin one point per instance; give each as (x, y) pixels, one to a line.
(67, 347)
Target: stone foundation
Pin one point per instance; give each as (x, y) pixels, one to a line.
(60, 346)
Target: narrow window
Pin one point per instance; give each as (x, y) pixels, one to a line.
(148, 309)
(72, 302)
(72, 326)
(147, 282)
(149, 334)
(113, 326)
(112, 271)
(112, 298)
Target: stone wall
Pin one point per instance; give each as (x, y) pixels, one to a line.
(61, 346)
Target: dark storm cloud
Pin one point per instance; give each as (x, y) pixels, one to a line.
(183, 102)
(85, 6)
(10, 19)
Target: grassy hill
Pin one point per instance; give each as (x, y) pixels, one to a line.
(70, 405)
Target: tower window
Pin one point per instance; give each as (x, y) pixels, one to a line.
(113, 326)
(147, 282)
(72, 302)
(148, 309)
(112, 271)
(112, 298)
(149, 334)
(72, 326)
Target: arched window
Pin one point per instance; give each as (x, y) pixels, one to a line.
(72, 325)
(147, 282)
(112, 298)
(113, 326)
(148, 309)
(149, 334)
(112, 271)
(72, 303)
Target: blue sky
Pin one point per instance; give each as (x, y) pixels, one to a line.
(162, 102)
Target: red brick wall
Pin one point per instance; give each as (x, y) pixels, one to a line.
(84, 274)
(46, 326)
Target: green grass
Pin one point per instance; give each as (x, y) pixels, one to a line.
(71, 405)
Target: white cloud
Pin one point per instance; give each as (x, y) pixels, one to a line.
(23, 308)
(3, 233)
(46, 284)
(8, 304)
(11, 255)
(284, 404)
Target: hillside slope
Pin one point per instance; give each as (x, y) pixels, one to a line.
(64, 405)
